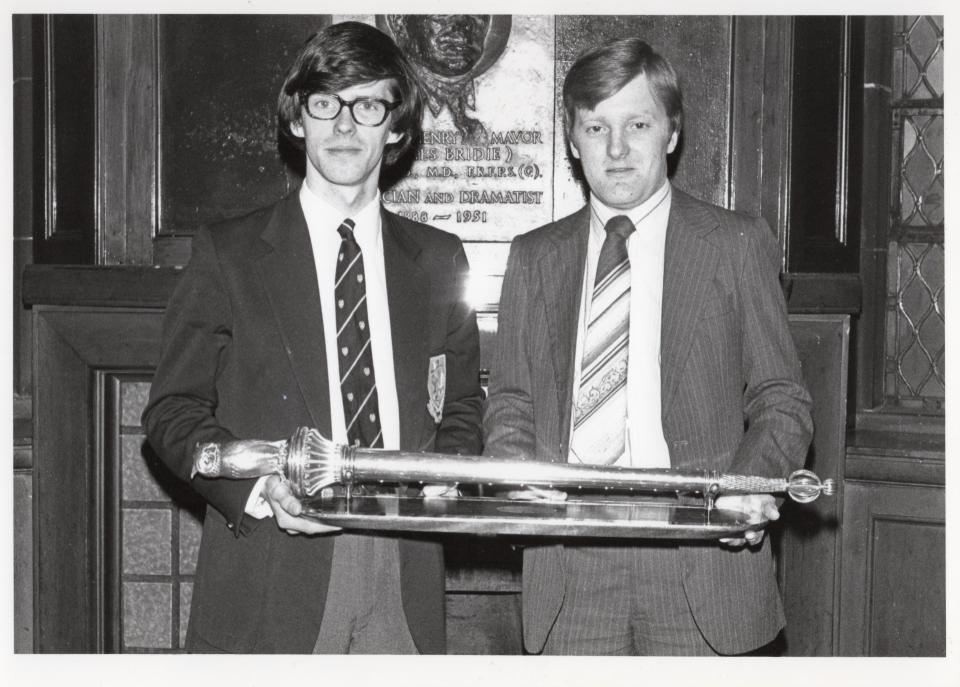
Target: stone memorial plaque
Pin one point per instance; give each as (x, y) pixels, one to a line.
(485, 168)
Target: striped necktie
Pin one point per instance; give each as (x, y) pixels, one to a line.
(358, 387)
(600, 413)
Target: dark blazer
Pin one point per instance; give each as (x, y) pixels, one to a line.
(727, 359)
(244, 357)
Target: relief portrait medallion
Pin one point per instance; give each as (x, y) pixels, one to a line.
(449, 51)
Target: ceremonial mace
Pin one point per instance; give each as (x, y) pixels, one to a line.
(311, 463)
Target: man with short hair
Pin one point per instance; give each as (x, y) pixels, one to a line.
(647, 329)
(323, 310)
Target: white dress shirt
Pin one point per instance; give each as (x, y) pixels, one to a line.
(645, 443)
(322, 222)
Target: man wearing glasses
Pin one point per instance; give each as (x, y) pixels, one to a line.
(323, 310)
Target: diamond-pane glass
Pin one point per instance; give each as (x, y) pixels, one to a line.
(918, 69)
(914, 323)
(915, 342)
(921, 171)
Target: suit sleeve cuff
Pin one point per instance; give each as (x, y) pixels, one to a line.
(257, 505)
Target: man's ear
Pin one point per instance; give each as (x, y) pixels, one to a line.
(296, 128)
(573, 148)
(394, 137)
(674, 137)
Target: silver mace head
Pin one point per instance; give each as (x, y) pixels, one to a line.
(804, 486)
(313, 462)
(307, 460)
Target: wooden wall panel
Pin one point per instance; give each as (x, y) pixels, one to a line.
(808, 535)
(877, 144)
(894, 570)
(22, 561)
(760, 127)
(825, 159)
(701, 167)
(907, 611)
(484, 624)
(75, 502)
(219, 80)
(67, 232)
(28, 177)
(127, 139)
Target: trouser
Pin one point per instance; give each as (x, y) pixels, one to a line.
(363, 613)
(624, 600)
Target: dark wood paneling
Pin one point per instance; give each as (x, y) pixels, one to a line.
(483, 595)
(702, 163)
(778, 100)
(96, 286)
(28, 174)
(22, 320)
(908, 612)
(894, 571)
(822, 293)
(808, 538)
(747, 121)
(27, 119)
(22, 561)
(68, 233)
(825, 48)
(484, 624)
(219, 81)
(482, 565)
(75, 509)
(875, 214)
(760, 118)
(127, 138)
(172, 250)
(66, 534)
(888, 456)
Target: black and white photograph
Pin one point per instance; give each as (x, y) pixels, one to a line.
(515, 337)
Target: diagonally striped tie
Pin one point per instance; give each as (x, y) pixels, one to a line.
(600, 413)
(358, 387)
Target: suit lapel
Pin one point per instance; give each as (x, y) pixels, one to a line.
(690, 261)
(289, 277)
(561, 280)
(408, 297)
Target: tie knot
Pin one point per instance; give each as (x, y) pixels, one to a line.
(346, 230)
(619, 226)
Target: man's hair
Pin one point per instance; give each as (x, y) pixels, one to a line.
(600, 72)
(348, 54)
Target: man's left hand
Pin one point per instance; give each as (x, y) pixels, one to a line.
(757, 508)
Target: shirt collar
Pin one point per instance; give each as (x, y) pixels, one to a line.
(322, 215)
(602, 213)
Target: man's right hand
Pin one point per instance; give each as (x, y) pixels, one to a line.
(287, 508)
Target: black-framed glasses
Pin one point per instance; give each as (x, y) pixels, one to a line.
(365, 111)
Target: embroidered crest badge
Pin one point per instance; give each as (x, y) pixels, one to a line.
(437, 386)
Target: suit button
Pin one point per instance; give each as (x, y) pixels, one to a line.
(230, 525)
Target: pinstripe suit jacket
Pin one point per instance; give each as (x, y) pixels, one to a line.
(732, 395)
